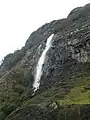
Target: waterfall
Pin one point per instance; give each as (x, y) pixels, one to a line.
(41, 62)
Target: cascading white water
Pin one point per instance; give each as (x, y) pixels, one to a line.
(41, 62)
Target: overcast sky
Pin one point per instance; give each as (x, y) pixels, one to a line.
(18, 18)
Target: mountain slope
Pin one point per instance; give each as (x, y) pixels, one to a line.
(65, 84)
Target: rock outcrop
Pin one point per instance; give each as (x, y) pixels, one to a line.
(71, 45)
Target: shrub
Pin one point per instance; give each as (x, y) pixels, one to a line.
(2, 115)
(7, 108)
(28, 79)
(19, 89)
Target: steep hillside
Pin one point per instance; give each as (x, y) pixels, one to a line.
(64, 92)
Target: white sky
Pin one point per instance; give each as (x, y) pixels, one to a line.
(18, 18)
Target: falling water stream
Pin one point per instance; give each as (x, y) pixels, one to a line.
(40, 63)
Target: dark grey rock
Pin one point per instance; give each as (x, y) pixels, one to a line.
(71, 46)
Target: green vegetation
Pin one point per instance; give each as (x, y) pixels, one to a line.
(17, 89)
(75, 91)
(12, 89)
(77, 95)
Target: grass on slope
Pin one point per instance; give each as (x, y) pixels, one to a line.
(79, 93)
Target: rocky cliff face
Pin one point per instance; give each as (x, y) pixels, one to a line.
(66, 69)
(71, 46)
